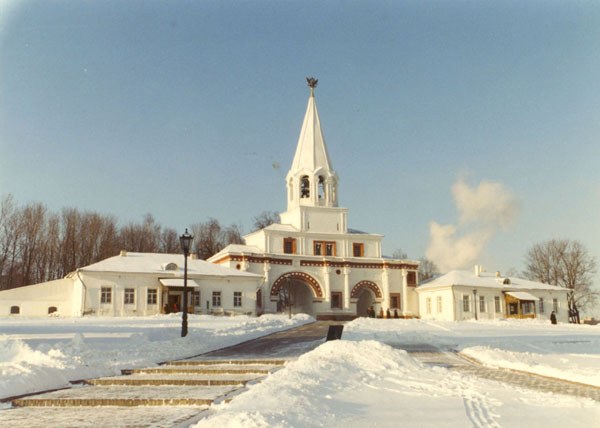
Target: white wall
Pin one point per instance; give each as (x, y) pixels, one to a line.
(34, 300)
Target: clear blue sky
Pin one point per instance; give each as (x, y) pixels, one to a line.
(192, 109)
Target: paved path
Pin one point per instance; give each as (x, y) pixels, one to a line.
(432, 356)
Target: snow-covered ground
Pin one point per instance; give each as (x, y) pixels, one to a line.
(363, 380)
(44, 353)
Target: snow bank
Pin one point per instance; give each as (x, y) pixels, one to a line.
(367, 383)
(45, 354)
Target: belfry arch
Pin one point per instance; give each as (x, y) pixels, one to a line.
(366, 294)
(360, 286)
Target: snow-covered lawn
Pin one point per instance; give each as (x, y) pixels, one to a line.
(360, 381)
(38, 354)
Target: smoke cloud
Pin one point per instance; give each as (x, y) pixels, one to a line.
(482, 211)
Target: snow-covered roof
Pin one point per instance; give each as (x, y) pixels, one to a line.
(486, 280)
(167, 264)
(237, 249)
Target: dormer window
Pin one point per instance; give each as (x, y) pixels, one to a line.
(304, 187)
(171, 266)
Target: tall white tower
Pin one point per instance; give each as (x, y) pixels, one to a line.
(311, 181)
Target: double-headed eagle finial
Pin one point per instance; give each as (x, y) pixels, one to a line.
(312, 82)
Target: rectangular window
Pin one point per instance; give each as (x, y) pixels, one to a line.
(129, 296)
(497, 304)
(358, 249)
(395, 300)
(336, 300)
(196, 298)
(541, 305)
(411, 279)
(237, 299)
(555, 305)
(105, 295)
(152, 296)
(216, 299)
(481, 304)
(439, 304)
(289, 246)
(428, 305)
(324, 248)
(466, 303)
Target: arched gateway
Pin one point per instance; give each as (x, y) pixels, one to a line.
(301, 288)
(366, 293)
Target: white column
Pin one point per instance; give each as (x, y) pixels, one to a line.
(404, 292)
(385, 279)
(347, 288)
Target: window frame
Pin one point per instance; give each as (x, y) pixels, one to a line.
(196, 301)
(497, 305)
(152, 296)
(555, 305)
(428, 305)
(360, 246)
(337, 300)
(394, 296)
(482, 304)
(129, 296)
(541, 305)
(291, 242)
(105, 295)
(439, 304)
(237, 299)
(466, 303)
(216, 299)
(324, 246)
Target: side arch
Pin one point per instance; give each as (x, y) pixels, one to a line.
(356, 290)
(301, 276)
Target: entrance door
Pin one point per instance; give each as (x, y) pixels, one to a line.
(365, 300)
(174, 302)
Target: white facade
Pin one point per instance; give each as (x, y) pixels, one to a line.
(138, 284)
(335, 272)
(463, 295)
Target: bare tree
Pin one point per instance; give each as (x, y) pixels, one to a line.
(568, 264)
(210, 237)
(264, 219)
(427, 269)
(169, 241)
(399, 254)
(287, 297)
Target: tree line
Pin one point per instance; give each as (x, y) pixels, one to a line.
(38, 245)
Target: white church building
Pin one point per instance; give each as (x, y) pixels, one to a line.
(330, 270)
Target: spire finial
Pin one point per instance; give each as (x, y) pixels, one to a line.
(312, 84)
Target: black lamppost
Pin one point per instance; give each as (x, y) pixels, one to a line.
(186, 241)
(475, 303)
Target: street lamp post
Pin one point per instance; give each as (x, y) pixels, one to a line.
(475, 303)
(186, 241)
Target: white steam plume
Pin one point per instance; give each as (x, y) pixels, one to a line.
(482, 211)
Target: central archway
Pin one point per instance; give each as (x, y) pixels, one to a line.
(366, 298)
(298, 289)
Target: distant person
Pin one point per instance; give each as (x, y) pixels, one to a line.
(175, 307)
(371, 312)
(396, 313)
(388, 314)
(165, 308)
(553, 317)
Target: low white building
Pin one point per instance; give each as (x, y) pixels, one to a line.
(464, 295)
(133, 284)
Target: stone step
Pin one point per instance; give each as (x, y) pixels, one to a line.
(126, 396)
(175, 379)
(200, 362)
(200, 369)
(94, 417)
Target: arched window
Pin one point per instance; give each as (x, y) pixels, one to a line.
(304, 187)
(321, 187)
(15, 310)
(52, 309)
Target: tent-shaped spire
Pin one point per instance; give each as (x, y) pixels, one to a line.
(311, 180)
(311, 152)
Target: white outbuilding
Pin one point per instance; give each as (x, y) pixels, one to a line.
(133, 284)
(464, 295)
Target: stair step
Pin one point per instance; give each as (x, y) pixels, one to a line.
(200, 362)
(126, 396)
(203, 370)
